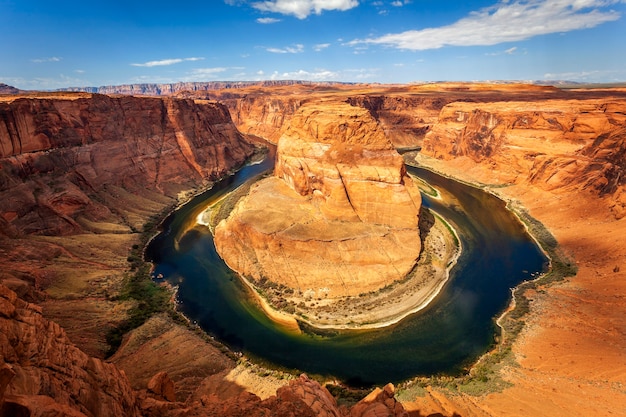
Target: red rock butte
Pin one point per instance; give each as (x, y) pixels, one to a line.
(339, 217)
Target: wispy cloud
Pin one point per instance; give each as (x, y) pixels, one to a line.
(505, 22)
(586, 76)
(317, 75)
(400, 3)
(320, 47)
(165, 62)
(510, 51)
(267, 20)
(44, 83)
(295, 49)
(207, 72)
(303, 8)
(49, 59)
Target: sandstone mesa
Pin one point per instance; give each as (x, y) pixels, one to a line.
(339, 217)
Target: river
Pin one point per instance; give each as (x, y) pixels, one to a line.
(446, 337)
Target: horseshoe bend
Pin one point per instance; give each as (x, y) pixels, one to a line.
(337, 226)
(338, 219)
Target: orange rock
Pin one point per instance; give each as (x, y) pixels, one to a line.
(41, 370)
(340, 215)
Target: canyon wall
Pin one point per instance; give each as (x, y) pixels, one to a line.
(553, 144)
(266, 113)
(58, 154)
(166, 89)
(43, 373)
(80, 175)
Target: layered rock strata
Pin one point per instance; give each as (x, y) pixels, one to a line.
(56, 154)
(42, 373)
(339, 217)
(554, 144)
(80, 175)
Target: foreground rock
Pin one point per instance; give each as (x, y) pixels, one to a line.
(338, 218)
(42, 373)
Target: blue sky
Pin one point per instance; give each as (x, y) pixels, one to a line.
(52, 44)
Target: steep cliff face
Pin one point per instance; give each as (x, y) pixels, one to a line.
(80, 175)
(42, 373)
(57, 154)
(338, 218)
(263, 115)
(567, 144)
(406, 118)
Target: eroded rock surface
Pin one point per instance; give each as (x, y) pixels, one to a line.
(552, 144)
(41, 370)
(80, 175)
(340, 215)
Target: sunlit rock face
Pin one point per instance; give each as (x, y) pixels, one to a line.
(551, 144)
(338, 217)
(58, 152)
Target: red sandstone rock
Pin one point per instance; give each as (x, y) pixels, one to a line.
(552, 144)
(64, 151)
(40, 369)
(340, 215)
(162, 386)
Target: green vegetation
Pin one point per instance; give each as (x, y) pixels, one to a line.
(149, 298)
(347, 396)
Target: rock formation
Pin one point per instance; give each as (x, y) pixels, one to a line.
(72, 196)
(56, 154)
(553, 144)
(7, 89)
(184, 87)
(42, 372)
(339, 217)
(95, 169)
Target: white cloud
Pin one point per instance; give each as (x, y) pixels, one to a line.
(204, 72)
(511, 51)
(400, 3)
(320, 46)
(586, 76)
(44, 83)
(317, 75)
(303, 8)
(267, 20)
(165, 62)
(505, 22)
(296, 49)
(42, 60)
